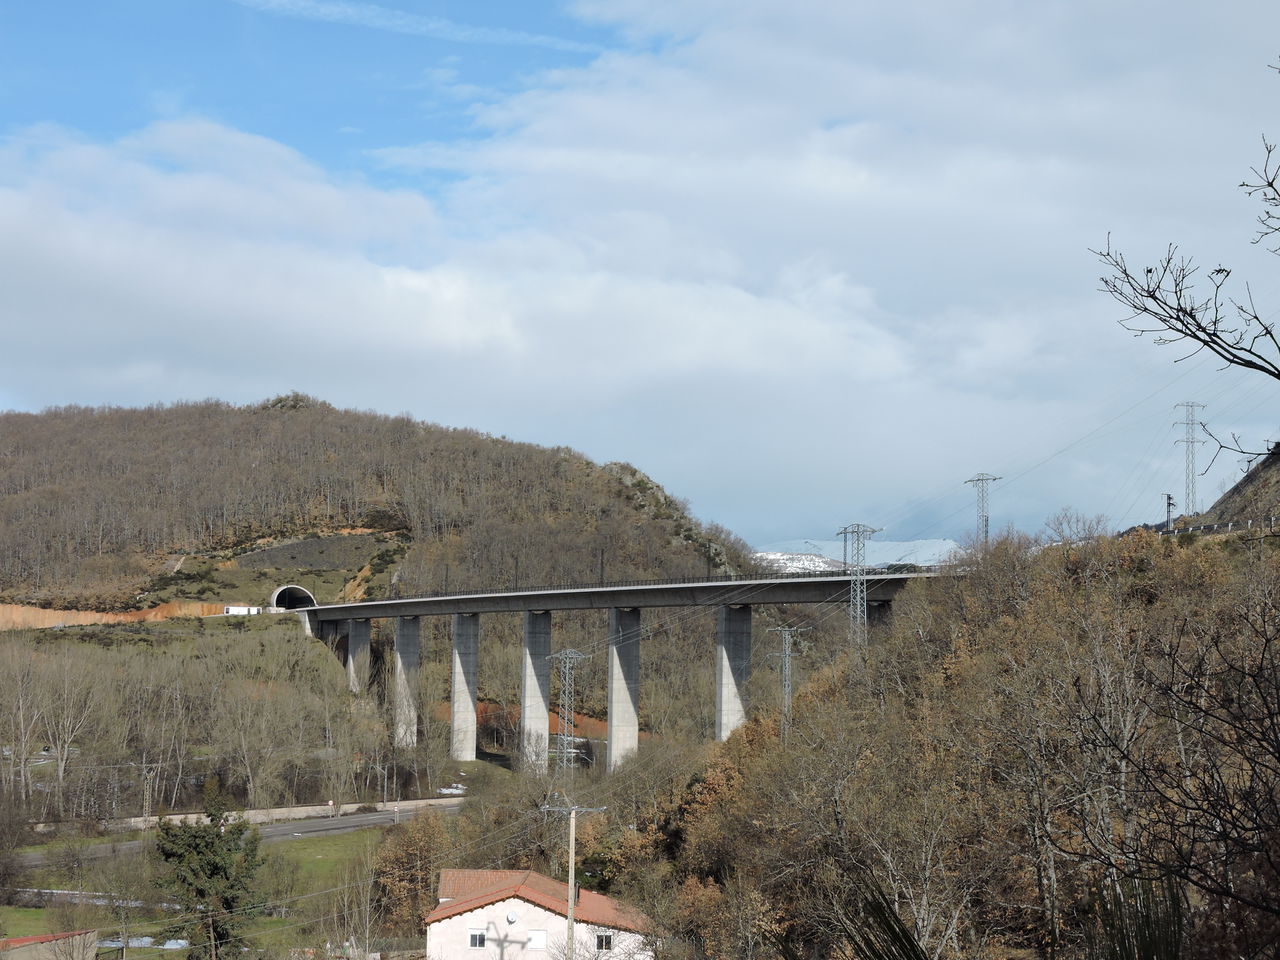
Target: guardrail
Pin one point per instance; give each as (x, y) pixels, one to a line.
(1268, 524)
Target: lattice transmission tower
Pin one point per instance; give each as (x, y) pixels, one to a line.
(1191, 440)
(566, 752)
(855, 561)
(980, 484)
(787, 652)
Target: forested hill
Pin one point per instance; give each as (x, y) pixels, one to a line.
(97, 503)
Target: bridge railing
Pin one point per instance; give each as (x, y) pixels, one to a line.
(871, 573)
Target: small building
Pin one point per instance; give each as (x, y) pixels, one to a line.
(76, 945)
(523, 915)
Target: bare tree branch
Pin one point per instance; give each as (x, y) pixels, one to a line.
(1163, 301)
(1265, 185)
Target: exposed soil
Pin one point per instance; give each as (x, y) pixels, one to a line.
(15, 616)
(593, 728)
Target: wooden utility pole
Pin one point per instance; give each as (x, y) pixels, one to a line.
(573, 811)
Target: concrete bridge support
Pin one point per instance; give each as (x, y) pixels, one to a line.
(733, 667)
(466, 647)
(358, 655)
(330, 631)
(624, 685)
(535, 690)
(408, 645)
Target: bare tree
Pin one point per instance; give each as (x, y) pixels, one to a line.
(1205, 804)
(1169, 301)
(1164, 301)
(70, 694)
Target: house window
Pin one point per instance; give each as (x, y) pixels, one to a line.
(477, 938)
(604, 941)
(537, 939)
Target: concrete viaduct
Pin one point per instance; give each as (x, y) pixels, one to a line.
(733, 599)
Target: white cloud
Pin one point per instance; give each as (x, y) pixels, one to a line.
(806, 263)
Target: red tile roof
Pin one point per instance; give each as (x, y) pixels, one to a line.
(462, 891)
(14, 942)
(456, 884)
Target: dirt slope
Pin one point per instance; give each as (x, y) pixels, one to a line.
(17, 617)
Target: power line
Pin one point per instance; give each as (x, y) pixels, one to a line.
(573, 811)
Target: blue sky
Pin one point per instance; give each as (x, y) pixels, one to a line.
(807, 264)
(330, 79)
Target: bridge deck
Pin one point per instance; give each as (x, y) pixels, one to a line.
(821, 588)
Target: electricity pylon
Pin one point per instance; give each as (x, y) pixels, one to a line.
(1190, 439)
(980, 483)
(568, 660)
(855, 550)
(787, 633)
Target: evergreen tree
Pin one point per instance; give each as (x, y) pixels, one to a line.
(212, 869)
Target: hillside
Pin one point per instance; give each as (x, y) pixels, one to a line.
(1256, 495)
(112, 508)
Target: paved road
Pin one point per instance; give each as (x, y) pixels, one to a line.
(271, 833)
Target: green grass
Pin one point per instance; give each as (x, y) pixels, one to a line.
(321, 860)
(52, 845)
(23, 921)
(252, 587)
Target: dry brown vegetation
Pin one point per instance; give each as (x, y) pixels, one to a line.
(1064, 749)
(94, 502)
(1020, 740)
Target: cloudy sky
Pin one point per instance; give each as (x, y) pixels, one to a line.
(805, 263)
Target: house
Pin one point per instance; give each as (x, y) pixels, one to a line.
(522, 915)
(77, 945)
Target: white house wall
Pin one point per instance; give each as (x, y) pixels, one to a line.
(449, 939)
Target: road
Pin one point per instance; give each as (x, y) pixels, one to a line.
(283, 830)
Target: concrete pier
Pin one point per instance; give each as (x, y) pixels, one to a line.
(358, 655)
(624, 685)
(624, 601)
(733, 667)
(535, 690)
(408, 647)
(466, 648)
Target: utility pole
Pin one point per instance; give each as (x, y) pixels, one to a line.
(1190, 439)
(787, 633)
(573, 811)
(980, 483)
(855, 548)
(568, 660)
(1169, 504)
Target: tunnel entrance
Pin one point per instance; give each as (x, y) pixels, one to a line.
(292, 597)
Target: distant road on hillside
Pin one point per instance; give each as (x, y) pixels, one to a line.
(270, 832)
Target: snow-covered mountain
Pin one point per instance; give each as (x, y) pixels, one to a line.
(797, 562)
(820, 556)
